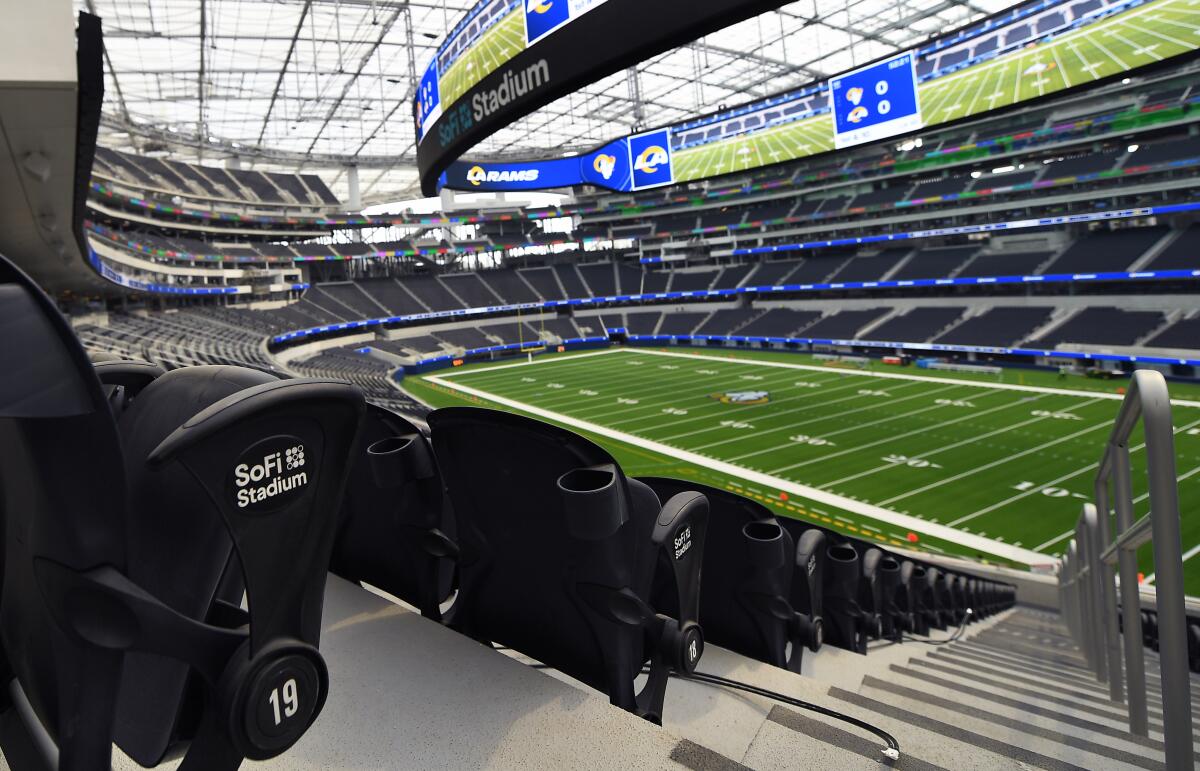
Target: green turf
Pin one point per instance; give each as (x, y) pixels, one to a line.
(1009, 465)
(504, 40)
(1149, 33)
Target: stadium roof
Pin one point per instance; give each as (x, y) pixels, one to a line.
(318, 84)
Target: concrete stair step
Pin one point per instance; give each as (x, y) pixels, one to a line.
(1046, 697)
(1102, 730)
(1037, 733)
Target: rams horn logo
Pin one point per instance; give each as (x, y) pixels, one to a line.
(650, 159)
(857, 114)
(855, 95)
(604, 165)
(476, 176)
(538, 6)
(743, 397)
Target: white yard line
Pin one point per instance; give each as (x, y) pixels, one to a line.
(927, 455)
(1051, 483)
(901, 376)
(1187, 555)
(969, 540)
(999, 462)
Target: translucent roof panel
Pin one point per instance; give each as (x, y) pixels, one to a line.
(315, 85)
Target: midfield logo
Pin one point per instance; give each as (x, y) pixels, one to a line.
(743, 397)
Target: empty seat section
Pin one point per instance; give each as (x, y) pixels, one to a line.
(655, 281)
(1005, 264)
(393, 296)
(1102, 326)
(1175, 149)
(432, 293)
(993, 181)
(773, 273)
(882, 196)
(721, 218)
(997, 327)
(290, 183)
(1181, 254)
(629, 279)
(256, 182)
(466, 337)
(472, 290)
(732, 276)
(779, 322)
(676, 224)
(569, 278)
(642, 323)
(681, 323)
(866, 268)
(600, 279)
(725, 322)
(816, 270)
(562, 327)
(513, 332)
(318, 186)
(916, 326)
(775, 210)
(935, 263)
(1089, 163)
(422, 344)
(352, 297)
(508, 284)
(544, 282)
(843, 325)
(1184, 333)
(1106, 250)
(692, 281)
(933, 188)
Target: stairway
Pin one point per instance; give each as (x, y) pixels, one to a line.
(1012, 692)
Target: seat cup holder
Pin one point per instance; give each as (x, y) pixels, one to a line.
(842, 560)
(399, 459)
(765, 546)
(593, 502)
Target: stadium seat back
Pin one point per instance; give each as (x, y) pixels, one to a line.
(71, 614)
(123, 380)
(749, 563)
(396, 530)
(559, 549)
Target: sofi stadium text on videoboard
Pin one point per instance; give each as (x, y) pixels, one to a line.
(1031, 51)
(506, 58)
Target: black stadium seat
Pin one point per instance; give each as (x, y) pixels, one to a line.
(560, 550)
(753, 571)
(123, 561)
(397, 530)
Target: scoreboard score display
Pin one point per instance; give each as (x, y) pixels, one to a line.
(875, 102)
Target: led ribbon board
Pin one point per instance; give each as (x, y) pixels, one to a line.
(507, 58)
(1037, 49)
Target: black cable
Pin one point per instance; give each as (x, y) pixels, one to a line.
(909, 638)
(891, 751)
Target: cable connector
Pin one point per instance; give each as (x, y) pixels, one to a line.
(890, 753)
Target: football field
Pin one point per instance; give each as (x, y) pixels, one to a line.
(1143, 35)
(989, 467)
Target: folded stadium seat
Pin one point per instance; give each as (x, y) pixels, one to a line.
(559, 553)
(931, 600)
(850, 596)
(919, 613)
(752, 569)
(72, 613)
(122, 380)
(396, 530)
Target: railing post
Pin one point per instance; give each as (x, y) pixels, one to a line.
(1131, 601)
(1096, 518)
(1093, 626)
(1168, 568)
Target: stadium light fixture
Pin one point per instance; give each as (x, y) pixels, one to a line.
(976, 174)
(1003, 169)
(1132, 148)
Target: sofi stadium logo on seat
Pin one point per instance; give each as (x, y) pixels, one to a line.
(650, 159)
(477, 176)
(270, 474)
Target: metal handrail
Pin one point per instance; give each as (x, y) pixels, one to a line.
(1088, 588)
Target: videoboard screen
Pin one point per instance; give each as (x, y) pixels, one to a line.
(506, 58)
(1028, 52)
